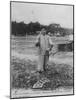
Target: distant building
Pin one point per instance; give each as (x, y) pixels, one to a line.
(55, 25)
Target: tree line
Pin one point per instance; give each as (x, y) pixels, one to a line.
(32, 28)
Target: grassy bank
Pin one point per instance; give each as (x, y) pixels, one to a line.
(23, 74)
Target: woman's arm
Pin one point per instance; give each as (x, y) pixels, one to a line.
(37, 43)
(50, 43)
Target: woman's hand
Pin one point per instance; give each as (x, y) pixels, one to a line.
(37, 44)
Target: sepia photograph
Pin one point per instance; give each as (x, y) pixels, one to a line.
(41, 49)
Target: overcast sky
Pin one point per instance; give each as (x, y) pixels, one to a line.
(43, 13)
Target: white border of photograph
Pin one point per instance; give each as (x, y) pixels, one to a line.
(5, 49)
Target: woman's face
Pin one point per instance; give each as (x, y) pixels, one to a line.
(43, 31)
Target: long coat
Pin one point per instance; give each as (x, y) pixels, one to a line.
(45, 43)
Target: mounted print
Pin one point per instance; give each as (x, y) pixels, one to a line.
(41, 49)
